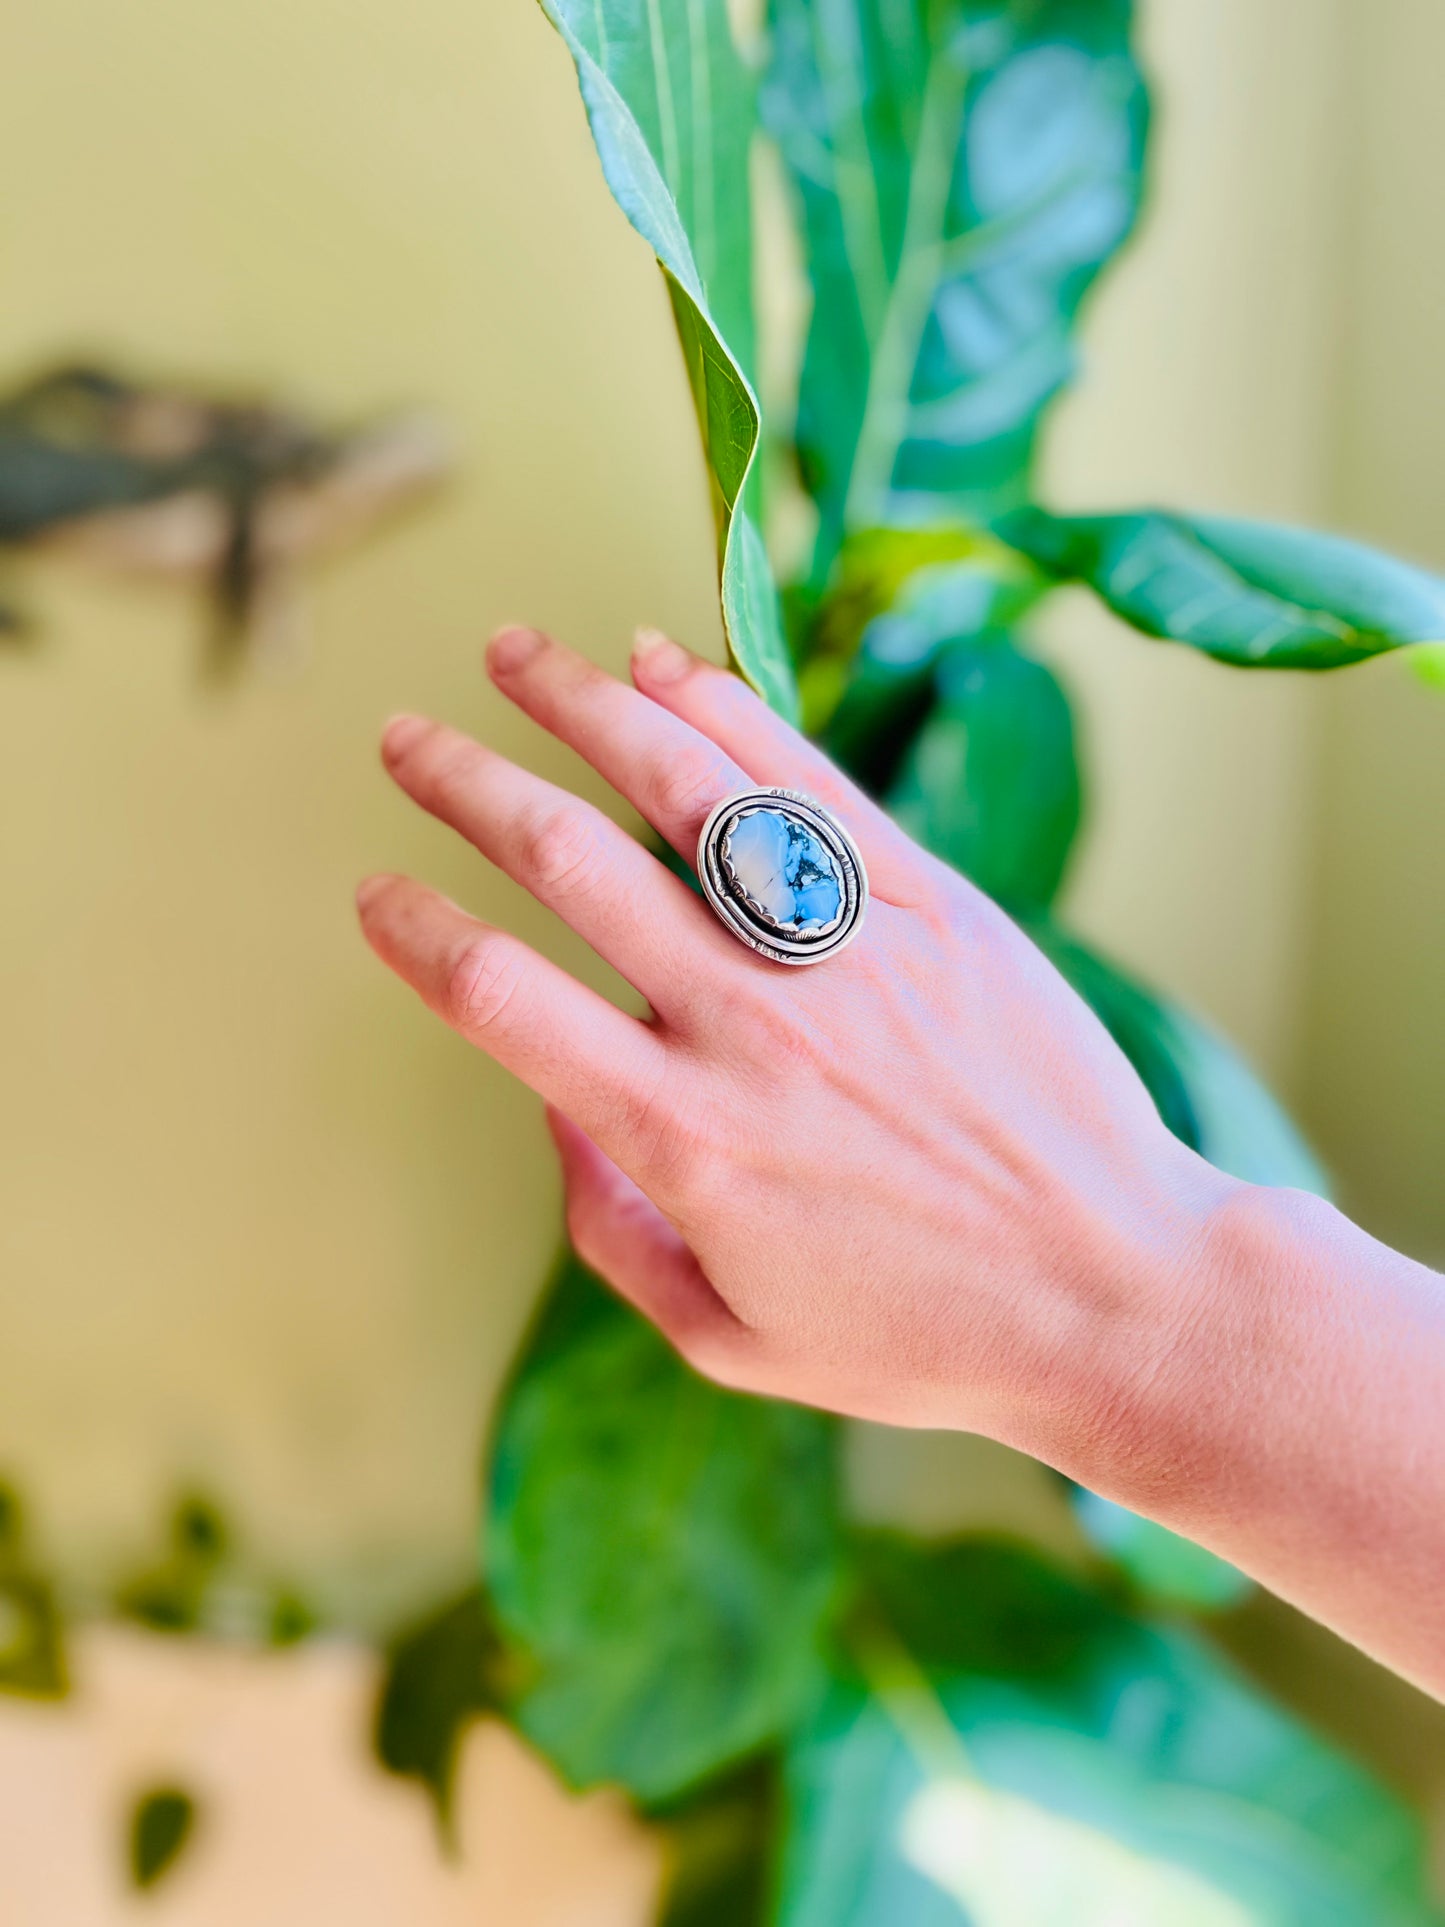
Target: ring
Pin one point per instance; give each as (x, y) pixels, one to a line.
(783, 875)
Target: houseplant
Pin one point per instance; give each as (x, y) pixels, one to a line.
(839, 1728)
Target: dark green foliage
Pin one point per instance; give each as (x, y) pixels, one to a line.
(990, 781)
(976, 1605)
(290, 1619)
(720, 1854)
(161, 1824)
(665, 1557)
(32, 1638)
(1257, 596)
(663, 1552)
(441, 1674)
(171, 1597)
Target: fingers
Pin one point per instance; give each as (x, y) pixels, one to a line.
(618, 1231)
(733, 716)
(672, 775)
(616, 895)
(603, 1068)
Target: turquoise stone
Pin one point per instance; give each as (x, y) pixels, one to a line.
(784, 867)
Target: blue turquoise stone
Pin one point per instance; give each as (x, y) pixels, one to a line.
(783, 866)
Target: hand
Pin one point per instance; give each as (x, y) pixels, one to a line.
(917, 1183)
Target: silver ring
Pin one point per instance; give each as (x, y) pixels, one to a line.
(783, 874)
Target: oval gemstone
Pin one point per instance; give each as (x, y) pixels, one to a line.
(785, 868)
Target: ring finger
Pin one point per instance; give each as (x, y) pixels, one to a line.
(643, 920)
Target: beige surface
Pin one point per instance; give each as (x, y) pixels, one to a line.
(295, 1827)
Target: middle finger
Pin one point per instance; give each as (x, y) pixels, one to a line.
(670, 772)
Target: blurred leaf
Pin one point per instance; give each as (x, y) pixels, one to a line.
(964, 175)
(1206, 1093)
(991, 781)
(1249, 593)
(1012, 1863)
(290, 1619)
(440, 1675)
(32, 1634)
(884, 676)
(1429, 664)
(171, 1597)
(1164, 1568)
(672, 109)
(664, 1552)
(719, 1850)
(1141, 1735)
(160, 1826)
(977, 1605)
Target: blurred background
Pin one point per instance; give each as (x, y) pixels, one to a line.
(266, 1231)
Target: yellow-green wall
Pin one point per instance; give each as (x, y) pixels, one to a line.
(261, 1222)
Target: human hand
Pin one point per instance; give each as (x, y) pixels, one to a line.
(917, 1183)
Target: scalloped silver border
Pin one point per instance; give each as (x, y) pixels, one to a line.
(747, 921)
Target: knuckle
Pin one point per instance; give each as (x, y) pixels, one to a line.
(775, 1033)
(690, 785)
(558, 851)
(483, 982)
(673, 1143)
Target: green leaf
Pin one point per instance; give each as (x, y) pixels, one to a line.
(160, 1827)
(978, 1605)
(1206, 1093)
(440, 1675)
(32, 1634)
(1139, 1737)
(964, 174)
(1164, 1568)
(719, 1851)
(991, 781)
(171, 1597)
(671, 105)
(1248, 593)
(665, 1553)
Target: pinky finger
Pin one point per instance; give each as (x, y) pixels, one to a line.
(617, 1230)
(570, 1045)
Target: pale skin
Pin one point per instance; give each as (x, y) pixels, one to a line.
(999, 1234)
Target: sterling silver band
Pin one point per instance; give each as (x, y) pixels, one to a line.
(783, 874)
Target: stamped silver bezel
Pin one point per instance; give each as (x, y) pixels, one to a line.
(746, 919)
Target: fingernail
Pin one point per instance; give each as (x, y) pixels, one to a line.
(400, 733)
(368, 891)
(510, 648)
(659, 658)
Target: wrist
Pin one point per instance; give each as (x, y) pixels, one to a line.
(1200, 1352)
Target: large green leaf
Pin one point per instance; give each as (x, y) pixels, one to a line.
(964, 173)
(1248, 593)
(1130, 1735)
(991, 781)
(671, 105)
(1206, 1093)
(664, 1552)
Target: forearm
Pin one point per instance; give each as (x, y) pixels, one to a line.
(1298, 1428)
